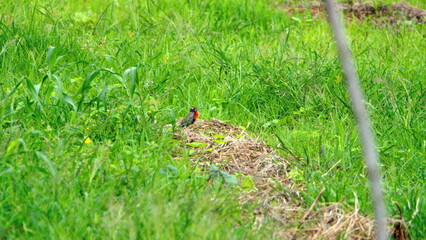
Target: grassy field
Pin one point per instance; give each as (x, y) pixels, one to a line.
(86, 88)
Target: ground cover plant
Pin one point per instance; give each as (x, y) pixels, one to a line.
(87, 89)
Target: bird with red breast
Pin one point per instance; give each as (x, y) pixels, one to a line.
(190, 118)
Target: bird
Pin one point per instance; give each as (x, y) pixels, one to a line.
(190, 118)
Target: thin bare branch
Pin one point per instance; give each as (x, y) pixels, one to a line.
(311, 208)
(360, 111)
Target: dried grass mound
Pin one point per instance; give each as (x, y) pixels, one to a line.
(234, 151)
(383, 14)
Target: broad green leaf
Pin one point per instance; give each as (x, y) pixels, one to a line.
(229, 179)
(34, 93)
(271, 123)
(220, 176)
(32, 89)
(218, 136)
(296, 19)
(197, 144)
(219, 141)
(213, 168)
(58, 82)
(169, 170)
(37, 88)
(296, 175)
(131, 76)
(13, 147)
(88, 80)
(82, 17)
(86, 86)
(69, 100)
(51, 56)
(247, 183)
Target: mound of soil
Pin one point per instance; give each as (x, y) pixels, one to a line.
(393, 14)
(233, 150)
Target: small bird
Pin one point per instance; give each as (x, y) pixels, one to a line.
(190, 118)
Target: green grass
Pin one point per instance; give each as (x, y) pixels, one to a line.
(86, 88)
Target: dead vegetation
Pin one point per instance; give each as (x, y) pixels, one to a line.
(276, 194)
(393, 14)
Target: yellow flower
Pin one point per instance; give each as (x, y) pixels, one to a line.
(87, 140)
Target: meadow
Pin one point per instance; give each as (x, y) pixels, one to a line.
(87, 88)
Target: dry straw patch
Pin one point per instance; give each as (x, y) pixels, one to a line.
(233, 150)
(382, 14)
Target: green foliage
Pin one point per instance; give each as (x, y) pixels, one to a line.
(86, 89)
(218, 176)
(197, 144)
(246, 183)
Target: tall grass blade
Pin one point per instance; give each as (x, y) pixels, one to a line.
(13, 89)
(50, 164)
(34, 89)
(86, 86)
(69, 100)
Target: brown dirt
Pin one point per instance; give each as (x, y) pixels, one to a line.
(276, 194)
(393, 14)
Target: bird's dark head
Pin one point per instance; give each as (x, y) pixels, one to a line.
(193, 109)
